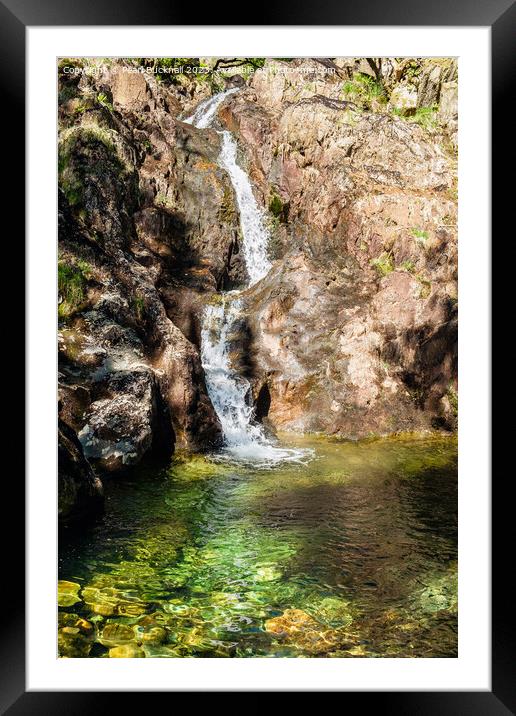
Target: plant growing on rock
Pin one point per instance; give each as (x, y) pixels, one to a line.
(408, 266)
(384, 263)
(426, 117)
(103, 100)
(420, 236)
(71, 284)
(138, 305)
(365, 91)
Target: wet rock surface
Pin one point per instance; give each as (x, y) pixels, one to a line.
(80, 490)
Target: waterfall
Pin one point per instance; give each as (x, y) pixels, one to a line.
(255, 237)
(229, 392)
(205, 112)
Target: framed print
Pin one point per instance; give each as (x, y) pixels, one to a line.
(258, 293)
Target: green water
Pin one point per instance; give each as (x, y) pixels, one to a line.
(352, 554)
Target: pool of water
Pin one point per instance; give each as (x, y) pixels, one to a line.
(352, 553)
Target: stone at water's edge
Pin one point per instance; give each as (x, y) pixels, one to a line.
(79, 489)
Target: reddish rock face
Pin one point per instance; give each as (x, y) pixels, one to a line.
(355, 327)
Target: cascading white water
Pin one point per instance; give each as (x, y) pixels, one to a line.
(228, 391)
(205, 112)
(255, 237)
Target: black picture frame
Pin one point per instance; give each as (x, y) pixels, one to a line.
(15, 16)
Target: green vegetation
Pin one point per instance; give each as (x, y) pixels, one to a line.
(71, 284)
(364, 91)
(276, 206)
(453, 399)
(420, 236)
(103, 100)
(408, 266)
(138, 305)
(426, 117)
(384, 263)
(426, 286)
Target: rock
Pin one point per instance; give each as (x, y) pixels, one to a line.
(79, 490)
(181, 215)
(299, 629)
(333, 611)
(404, 98)
(291, 620)
(73, 645)
(120, 429)
(126, 651)
(150, 634)
(279, 83)
(130, 90)
(368, 195)
(67, 593)
(429, 88)
(115, 634)
(108, 601)
(448, 110)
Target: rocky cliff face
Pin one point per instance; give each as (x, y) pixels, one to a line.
(353, 330)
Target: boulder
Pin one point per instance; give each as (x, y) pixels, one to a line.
(429, 88)
(79, 489)
(448, 108)
(123, 426)
(404, 99)
(130, 91)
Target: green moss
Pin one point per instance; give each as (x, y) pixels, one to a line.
(408, 266)
(138, 306)
(275, 205)
(71, 283)
(383, 264)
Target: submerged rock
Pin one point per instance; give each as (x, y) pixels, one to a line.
(108, 601)
(114, 634)
(67, 593)
(301, 630)
(126, 651)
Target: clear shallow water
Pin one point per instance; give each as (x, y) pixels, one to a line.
(351, 554)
